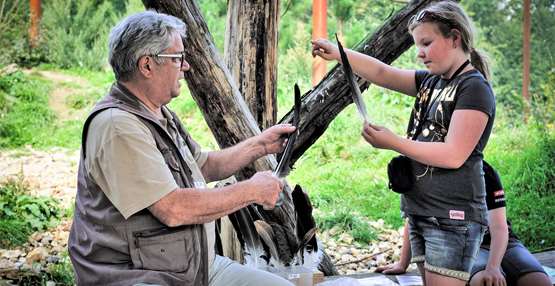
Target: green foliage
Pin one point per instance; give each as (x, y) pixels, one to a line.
(21, 213)
(500, 29)
(76, 32)
(13, 233)
(25, 109)
(524, 155)
(14, 26)
(214, 14)
(543, 102)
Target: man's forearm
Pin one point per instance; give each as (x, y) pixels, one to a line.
(224, 163)
(195, 206)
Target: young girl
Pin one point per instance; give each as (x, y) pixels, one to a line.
(449, 127)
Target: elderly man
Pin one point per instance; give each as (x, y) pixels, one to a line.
(143, 213)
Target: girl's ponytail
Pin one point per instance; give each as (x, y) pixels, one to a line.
(480, 61)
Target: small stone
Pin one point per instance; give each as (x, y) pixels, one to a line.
(346, 257)
(52, 259)
(334, 230)
(6, 265)
(11, 254)
(46, 239)
(50, 283)
(36, 255)
(347, 238)
(344, 250)
(25, 267)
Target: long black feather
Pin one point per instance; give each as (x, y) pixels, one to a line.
(355, 90)
(283, 168)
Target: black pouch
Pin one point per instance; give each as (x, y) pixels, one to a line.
(400, 174)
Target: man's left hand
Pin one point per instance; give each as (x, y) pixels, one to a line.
(379, 136)
(273, 139)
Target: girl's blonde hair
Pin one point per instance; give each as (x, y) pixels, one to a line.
(449, 15)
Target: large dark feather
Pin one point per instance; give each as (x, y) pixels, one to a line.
(355, 90)
(283, 168)
(305, 220)
(249, 238)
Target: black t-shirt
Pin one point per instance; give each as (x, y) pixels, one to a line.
(495, 198)
(449, 193)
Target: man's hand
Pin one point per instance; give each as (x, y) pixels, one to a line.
(267, 188)
(395, 268)
(379, 136)
(325, 49)
(492, 277)
(273, 138)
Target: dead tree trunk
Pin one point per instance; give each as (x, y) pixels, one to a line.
(218, 97)
(250, 54)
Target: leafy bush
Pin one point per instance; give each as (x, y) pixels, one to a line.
(21, 213)
(76, 32)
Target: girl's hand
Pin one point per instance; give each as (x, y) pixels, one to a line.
(379, 136)
(493, 277)
(325, 49)
(395, 268)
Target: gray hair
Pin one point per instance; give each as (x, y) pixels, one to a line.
(145, 33)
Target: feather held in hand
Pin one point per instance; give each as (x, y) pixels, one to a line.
(355, 90)
(283, 168)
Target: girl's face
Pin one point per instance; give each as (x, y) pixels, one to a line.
(434, 50)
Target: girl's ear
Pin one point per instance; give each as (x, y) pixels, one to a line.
(456, 34)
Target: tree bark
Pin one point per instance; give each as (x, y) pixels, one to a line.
(250, 54)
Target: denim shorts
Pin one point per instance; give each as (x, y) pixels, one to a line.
(516, 262)
(445, 246)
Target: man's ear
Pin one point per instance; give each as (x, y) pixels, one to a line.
(145, 66)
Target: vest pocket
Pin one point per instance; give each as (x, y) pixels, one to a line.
(163, 249)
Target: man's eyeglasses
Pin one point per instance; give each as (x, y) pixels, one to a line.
(178, 58)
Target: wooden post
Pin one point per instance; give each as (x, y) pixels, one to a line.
(526, 57)
(250, 53)
(34, 7)
(319, 30)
